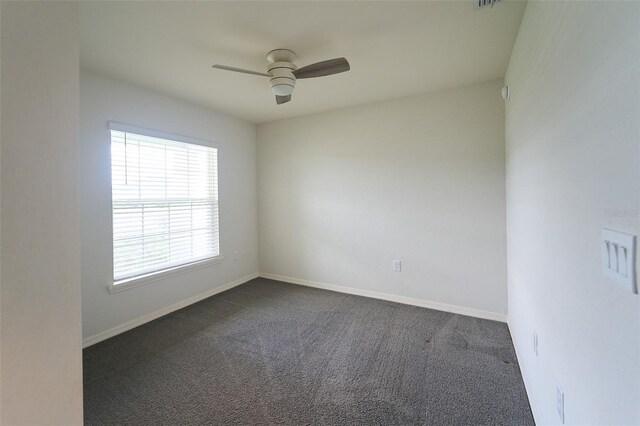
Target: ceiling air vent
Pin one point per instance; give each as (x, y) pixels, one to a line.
(479, 4)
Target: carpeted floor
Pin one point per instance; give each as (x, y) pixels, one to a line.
(269, 352)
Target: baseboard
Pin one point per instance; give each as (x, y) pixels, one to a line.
(527, 385)
(92, 340)
(478, 313)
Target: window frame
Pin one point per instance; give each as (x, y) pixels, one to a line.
(161, 274)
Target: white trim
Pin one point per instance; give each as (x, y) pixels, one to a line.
(527, 386)
(133, 282)
(142, 131)
(91, 340)
(478, 313)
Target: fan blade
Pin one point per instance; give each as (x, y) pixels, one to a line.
(226, 68)
(282, 99)
(320, 69)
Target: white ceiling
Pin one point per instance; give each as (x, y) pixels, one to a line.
(395, 48)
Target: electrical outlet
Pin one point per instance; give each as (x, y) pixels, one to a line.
(396, 265)
(560, 403)
(535, 343)
(236, 257)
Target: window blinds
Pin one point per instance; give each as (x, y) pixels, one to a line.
(165, 203)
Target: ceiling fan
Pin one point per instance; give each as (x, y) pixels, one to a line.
(283, 73)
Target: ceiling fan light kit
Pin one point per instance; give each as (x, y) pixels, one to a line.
(281, 68)
(283, 72)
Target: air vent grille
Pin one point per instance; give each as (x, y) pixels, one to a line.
(479, 4)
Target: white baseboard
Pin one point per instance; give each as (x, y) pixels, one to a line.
(92, 340)
(527, 385)
(478, 313)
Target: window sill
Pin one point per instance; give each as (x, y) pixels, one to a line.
(130, 283)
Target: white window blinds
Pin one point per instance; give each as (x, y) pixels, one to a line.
(165, 203)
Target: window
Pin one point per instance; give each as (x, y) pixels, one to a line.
(165, 201)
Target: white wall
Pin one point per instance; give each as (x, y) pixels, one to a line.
(572, 131)
(41, 377)
(420, 179)
(104, 100)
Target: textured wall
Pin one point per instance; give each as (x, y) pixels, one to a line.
(572, 132)
(103, 100)
(419, 179)
(41, 364)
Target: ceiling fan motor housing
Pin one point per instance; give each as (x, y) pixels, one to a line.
(281, 68)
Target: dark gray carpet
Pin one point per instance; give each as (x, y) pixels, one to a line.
(269, 352)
